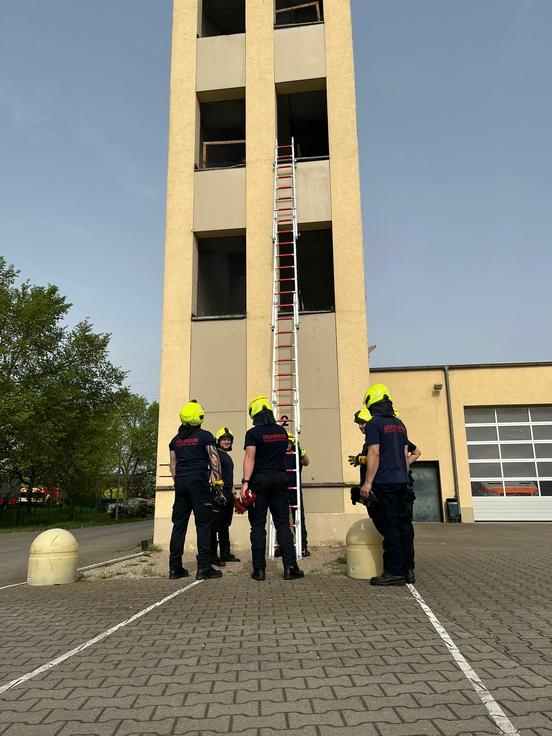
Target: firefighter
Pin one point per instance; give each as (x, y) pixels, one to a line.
(385, 487)
(220, 536)
(195, 468)
(264, 474)
(291, 469)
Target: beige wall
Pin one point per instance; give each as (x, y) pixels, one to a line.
(218, 364)
(219, 200)
(260, 103)
(314, 202)
(299, 53)
(179, 240)
(220, 62)
(351, 337)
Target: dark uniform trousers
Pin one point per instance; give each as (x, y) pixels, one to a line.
(191, 494)
(271, 490)
(293, 502)
(220, 530)
(392, 517)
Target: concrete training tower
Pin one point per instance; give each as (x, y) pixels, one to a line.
(243, 74)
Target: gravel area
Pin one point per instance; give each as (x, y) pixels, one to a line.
(155, 564)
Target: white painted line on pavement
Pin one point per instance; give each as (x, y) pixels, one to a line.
(109, 562)
(500, 718)
(13, 585)
(95, 640)
(90, 567)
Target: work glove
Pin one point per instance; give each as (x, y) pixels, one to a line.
(238, 507)
(247, 498)
(356, 460)
(217, 491)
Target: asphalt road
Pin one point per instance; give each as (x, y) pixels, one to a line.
(96, 543)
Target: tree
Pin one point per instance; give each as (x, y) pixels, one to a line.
(135, 436)
(58, 391)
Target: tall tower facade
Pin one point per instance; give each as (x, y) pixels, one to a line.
(243, 75)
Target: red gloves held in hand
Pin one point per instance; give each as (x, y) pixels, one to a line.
(241, 503)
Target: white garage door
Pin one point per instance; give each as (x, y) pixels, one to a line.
(510, 456)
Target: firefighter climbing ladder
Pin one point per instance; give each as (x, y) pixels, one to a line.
(285, 319)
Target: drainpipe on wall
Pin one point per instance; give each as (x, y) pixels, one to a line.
(451, 434)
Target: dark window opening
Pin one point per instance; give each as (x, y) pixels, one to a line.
(315, 274)
(220, 277)
(297, 12)
(222, 136)
(222, 17)
(303, 116)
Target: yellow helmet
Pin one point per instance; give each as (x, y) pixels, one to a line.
(291, 438)
(376, 393)
(258, 404)
(362, 416)
(223, 432)
(192, 413)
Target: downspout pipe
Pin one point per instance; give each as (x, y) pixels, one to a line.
(451, 435)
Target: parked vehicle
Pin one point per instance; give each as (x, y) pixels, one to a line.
(133, 507)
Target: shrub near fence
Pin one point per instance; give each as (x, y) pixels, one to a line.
(15, 517)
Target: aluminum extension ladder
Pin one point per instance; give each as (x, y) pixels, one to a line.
(285, 321)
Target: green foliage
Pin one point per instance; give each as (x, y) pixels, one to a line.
(60, 396)
(134, 436)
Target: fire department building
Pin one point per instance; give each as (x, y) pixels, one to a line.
(485, 432)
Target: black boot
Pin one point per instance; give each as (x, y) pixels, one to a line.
(218, 561)
(305, 553)
(259, 574)
(387, 579)
(229, 557)
(175, 573)
(293, 572)
(410, 576)
(208, 574)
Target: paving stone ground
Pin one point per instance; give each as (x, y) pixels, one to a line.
(321, 656)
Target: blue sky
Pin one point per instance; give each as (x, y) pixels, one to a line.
(454, 121)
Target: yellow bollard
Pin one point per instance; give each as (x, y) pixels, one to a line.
(364, 550)
(53, 558)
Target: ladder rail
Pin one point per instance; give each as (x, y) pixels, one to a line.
(286, 216)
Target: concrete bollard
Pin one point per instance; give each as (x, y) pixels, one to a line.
(364, 550)
(53, 558)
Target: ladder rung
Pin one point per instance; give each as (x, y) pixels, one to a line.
(284, 375)
(285, 293)
(285, 360)
(281, 280)
(285, 268)
(281, 347)
(286, 332)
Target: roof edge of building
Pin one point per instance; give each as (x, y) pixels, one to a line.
(458, 366)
